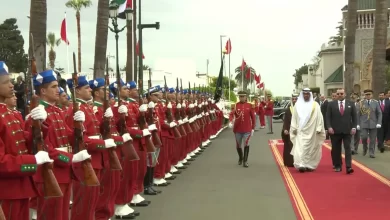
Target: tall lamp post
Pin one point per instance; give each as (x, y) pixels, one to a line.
(140, 56)
(113, 14)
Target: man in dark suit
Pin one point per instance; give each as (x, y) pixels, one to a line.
(341, 121)
(315, 97)
(324, 106)
(382, 131)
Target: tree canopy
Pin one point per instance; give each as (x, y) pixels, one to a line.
(11, 46)
(338, 38)
(225, 82)
(298, 74)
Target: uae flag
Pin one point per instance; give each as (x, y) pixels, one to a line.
(123, 4)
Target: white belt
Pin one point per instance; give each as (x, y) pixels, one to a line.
(94, 137)
(134, 127)
(63, 149)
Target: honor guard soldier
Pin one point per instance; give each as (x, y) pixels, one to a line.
(58, 134)
(262, 112)
(137, 134)
(129, 174)
(152, 157)
(269, 112)
(111, 175)
(17, 166)
(242, 120)
(87, 195)
(63, 101)
(11, 105)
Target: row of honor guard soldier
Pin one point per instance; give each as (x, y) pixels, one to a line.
(115, 189)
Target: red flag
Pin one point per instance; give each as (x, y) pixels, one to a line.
(129, 4)
(261, 85)
(63, 32)
(228, 47)
(243, 65)
(137, 50)
(257, 78)
(248, 73)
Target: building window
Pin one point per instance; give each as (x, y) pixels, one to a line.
(330, 91)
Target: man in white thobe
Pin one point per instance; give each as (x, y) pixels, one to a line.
(307, 132)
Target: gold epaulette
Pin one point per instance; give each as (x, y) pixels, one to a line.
(253, 105)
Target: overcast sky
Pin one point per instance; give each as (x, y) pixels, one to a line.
(274, 37)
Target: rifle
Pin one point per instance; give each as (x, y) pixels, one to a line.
(128, 149)
(89, 175)
(106, 128)
(155, 137)
(142, 120)
(194, 126)
(168, 112)
(177, 111)
(206, 107)
(2, 215)
(50, 184)
(183, 110)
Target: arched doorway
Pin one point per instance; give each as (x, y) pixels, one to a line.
(366, 72)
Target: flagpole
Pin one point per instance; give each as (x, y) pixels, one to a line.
(229, 77)
(67, 47)
(242, 76)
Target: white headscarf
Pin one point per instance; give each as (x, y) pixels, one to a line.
(304, 108)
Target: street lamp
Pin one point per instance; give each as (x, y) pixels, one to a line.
(113, 14)
(140, 49)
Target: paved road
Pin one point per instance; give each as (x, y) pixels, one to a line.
(215, 187)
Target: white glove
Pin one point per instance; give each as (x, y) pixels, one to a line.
(207, 114)
(196, 104)
(178, 105)
(212, 101)
(126, 137)
(200, 116)
(191, 105)
(145, 132)
(108, 113)
(206, 103)
(200, 105)
(191, 120)
(209, 99)
(28, 116)
(202, 113)
(79, 116)
(39, 113)
(42, 157)
(253, 131)
(378, 126)
(183, 105)
(109, 143)
(358, 127)
(231, 125)
(172, 124)
(81, 156)
(95, 109)
(151, 105)
(180, 122)
(123, 109)
(185, 120)
(152, 127)
(169, 105)
(143, 108)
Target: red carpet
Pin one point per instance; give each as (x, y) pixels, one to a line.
(326, 195)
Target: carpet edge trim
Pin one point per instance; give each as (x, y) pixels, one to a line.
(293, 188)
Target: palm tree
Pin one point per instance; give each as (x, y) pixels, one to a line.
(38, 25)
(77, 5)
(145, 67)
(52, 42)
(130, 58)
(238, 77)
(338, 39)
(101, 38)
(379, 51)
(350, 37)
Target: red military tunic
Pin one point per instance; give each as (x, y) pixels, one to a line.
(110, 179)
(85, 198)
(269, 108)
(262, 113)
(244, 117)
(166, 136)
(58, 135)
(17, 166)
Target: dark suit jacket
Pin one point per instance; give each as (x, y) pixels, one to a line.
(286, 123)
(324, 107)
(341, 124)
(386, 112)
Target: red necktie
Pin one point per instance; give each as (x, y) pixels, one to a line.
(382, 106)
(341, 108)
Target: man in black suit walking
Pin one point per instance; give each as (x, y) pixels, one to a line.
(385, 108)
(341, 121)
(324, 106)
